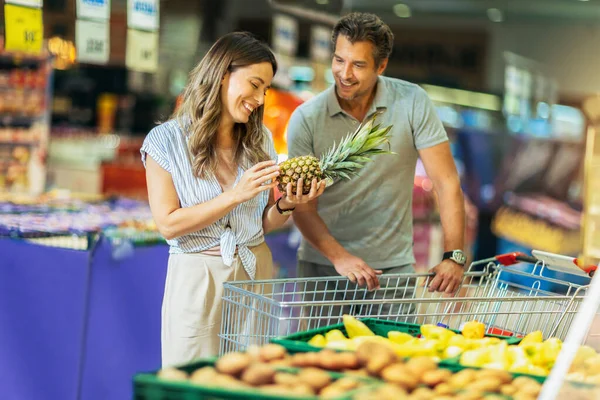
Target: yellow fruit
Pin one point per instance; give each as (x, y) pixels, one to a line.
(436, 333)
(318, 341)
(342, 161)
(399, 337)
(533, 337)
(452, 351)
(334, 335)
(549, 352)
(459, 341)
(473, 330)
(355, 327)
(475, 358)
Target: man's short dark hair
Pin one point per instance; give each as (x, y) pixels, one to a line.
(358, 27)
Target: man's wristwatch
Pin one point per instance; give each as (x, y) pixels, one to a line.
(283, 212)
(458, 256)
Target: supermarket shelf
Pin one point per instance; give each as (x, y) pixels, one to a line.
(16, 121)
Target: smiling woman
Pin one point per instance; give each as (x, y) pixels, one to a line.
(210, 173)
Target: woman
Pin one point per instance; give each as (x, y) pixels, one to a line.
(210, 172)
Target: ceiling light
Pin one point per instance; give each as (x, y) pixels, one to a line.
(495, 15)
(322, 2)
(402, 10)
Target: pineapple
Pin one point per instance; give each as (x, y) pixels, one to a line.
(341, 161)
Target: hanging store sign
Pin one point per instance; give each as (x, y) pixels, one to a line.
(285, 35)
(93, 9)
(320, 43)
(143, 14)
(24, 29)
(142, 51)
(93, 42)
(28, 3)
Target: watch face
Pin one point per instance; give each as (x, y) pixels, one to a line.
(459, 257)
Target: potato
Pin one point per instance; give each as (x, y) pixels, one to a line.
(521, 396)
(233, 363)
(271, 352)
(467, 395)
(284, 378)
(278, 390)
(435, 377)
(228, 381)
(390, 392)
(462, 378)
(444, 389)
(504, 376)
(347, 383)
(258, 374)
(530, 389)
(299, 360)
(400, 375)
(485, 385)
(329, 360)
(508, 390)
(347, 360)
(366, 352)
(203, 375)
(314, 377)
(313, 359)
(378, 362)
(283, 362)
(172, 374)
(332, 391)
(302, 389)
(419, 365)
(523, 380)
(423, 394)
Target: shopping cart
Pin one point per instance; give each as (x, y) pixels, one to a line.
(508, 300)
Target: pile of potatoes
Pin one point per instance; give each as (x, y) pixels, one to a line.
(258, 370)
(418, 378)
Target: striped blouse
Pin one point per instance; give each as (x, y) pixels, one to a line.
(239, 229)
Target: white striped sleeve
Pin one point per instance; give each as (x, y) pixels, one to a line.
(155, 145)
(269, 144)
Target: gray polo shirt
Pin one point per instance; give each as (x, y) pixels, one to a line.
(370, 215)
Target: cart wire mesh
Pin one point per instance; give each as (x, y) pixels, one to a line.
(507, 300)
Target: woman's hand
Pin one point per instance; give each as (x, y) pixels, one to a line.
(292, 199)
(254, 181)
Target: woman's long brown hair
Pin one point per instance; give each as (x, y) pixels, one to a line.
(200, 111)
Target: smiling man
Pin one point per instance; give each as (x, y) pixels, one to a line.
(363, 227)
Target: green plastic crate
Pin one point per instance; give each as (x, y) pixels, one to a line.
(298, 342)
(147, 386)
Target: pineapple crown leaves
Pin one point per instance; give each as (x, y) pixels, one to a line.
(356, 149)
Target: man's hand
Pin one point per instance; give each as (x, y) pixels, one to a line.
(358, 271)
(448, 277)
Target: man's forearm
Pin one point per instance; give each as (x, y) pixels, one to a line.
(452, 214)
(314, 230)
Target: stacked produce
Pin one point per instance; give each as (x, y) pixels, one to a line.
(261, 370)
(118, 219)
(435, 341)
(375, 372)
(355, 363)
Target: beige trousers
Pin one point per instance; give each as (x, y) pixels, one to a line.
(191, 309)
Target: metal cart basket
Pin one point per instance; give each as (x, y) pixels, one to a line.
(509, 300)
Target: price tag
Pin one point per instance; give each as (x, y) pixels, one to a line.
(142, 51)
(28, 3)
(93, 42)
(93, 9)
(24, 29)
(143, 14)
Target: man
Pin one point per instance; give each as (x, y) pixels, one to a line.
(363, 227)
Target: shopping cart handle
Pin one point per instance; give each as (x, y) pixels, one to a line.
(515, 258)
